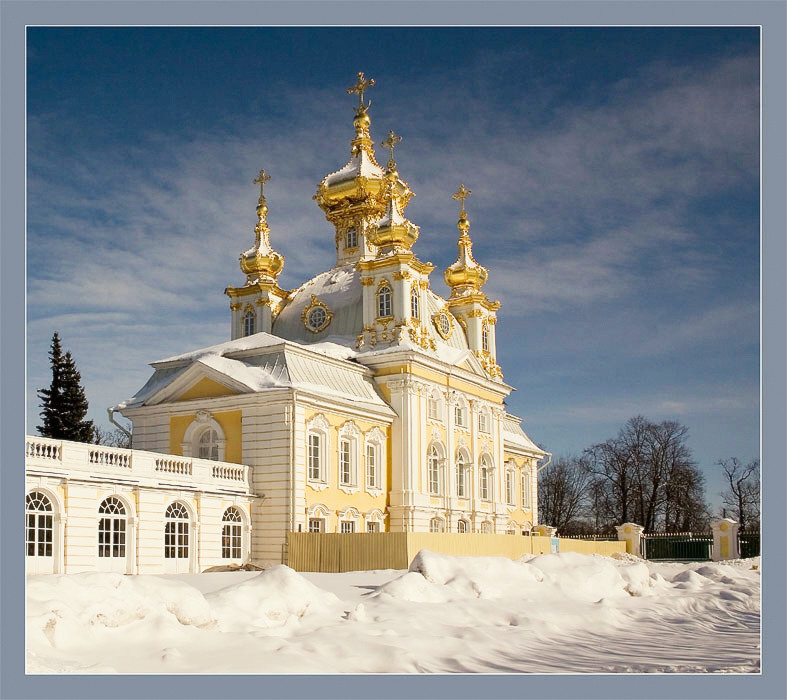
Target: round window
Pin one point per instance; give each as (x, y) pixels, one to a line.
(445, 324)
(317, 318)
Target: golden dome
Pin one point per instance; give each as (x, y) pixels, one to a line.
(465, 275)
(261, 263)
(359, 187)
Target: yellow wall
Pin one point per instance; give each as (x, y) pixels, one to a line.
(333, 552)
(230, 422)
(333, 497)
(205, 388)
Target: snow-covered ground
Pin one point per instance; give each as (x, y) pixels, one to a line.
(552, 613)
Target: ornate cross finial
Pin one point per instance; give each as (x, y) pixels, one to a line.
(262, 178)
(390, 144)
(462, 195)
(360, 87)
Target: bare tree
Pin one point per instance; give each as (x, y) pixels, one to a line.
(111, 438)
(646, 474)
(743, 492)
(563, 492)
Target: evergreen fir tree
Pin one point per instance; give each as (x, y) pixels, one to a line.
(63, 404)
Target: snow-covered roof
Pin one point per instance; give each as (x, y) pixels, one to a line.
(263, 361)
(341, 291)
(514, 435)
(360, 164)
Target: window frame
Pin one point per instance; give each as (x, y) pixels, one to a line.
(112, 528)
(177, 532)
(415, 302)
(249, 322)
(232, 534)
(434, 461)
(319, 428)
(40, 523)
(384, 301)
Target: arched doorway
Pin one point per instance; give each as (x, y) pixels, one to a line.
(39, 534)
(112, 532)
(176, 539)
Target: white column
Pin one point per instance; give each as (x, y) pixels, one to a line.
(132, 565)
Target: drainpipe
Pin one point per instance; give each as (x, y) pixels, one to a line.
(544, 466)
(110, 413)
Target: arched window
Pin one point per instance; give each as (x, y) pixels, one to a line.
(414, 306)
(372, 480)
(436, 525)
(231, 534)
(208, 445)
(461, 526)
(352, 237)
(112, 528)
(433, 470)
(511, 528)
(384, 302)
(176, 532)
(461, 475)
(486, 527)
(39, 525)
(350, 451)
(485, 337)
(249, 323)
(317, 437)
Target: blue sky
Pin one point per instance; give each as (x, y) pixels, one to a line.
(615, 179)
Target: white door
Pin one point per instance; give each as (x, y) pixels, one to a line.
(112, 550)
(176, 540)
(39, 534)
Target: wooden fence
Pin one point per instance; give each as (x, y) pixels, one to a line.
(336, 552)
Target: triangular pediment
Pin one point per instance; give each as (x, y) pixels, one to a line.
(199, 381)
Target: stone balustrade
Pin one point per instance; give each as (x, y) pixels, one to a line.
(48, 456)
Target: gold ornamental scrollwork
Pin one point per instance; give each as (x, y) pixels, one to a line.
(319, 320)
(443, 323)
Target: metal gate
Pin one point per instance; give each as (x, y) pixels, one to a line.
(677, 547)
(749, 544)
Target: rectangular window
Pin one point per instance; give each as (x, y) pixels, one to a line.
(352, 238)
(315, 525)
(509, 487)
(345, 464)
(230, 541)
(371, 467)
(433, 409)
(525, 490)
(372, 527)
(460, 480)
(482, 423)
(315, 473)
(347, 527)
(460, 416)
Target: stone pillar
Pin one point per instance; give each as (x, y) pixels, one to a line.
(631, 534)
(725, 539)
(545, 531)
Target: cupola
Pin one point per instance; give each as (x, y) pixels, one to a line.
(465, 275)
(261, 263)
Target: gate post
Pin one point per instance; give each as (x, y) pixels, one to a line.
(631, 534)
(725, 539)
(545, 531)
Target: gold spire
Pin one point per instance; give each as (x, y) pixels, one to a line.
(362, 140)
(393, 231)
(360, 87)
(465, 275)
(261, 263)
(390, 143)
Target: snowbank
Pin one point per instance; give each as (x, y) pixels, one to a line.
(551, 613)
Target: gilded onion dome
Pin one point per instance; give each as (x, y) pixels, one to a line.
(361, 183)
(261, 263)
(465, 275)
(393, 232)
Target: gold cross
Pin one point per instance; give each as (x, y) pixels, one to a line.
(262, 178)
(390, 144)
(360, 87)
(462, 195)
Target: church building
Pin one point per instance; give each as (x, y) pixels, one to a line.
(362, 401)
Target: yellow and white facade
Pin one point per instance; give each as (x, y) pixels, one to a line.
(361, 401)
